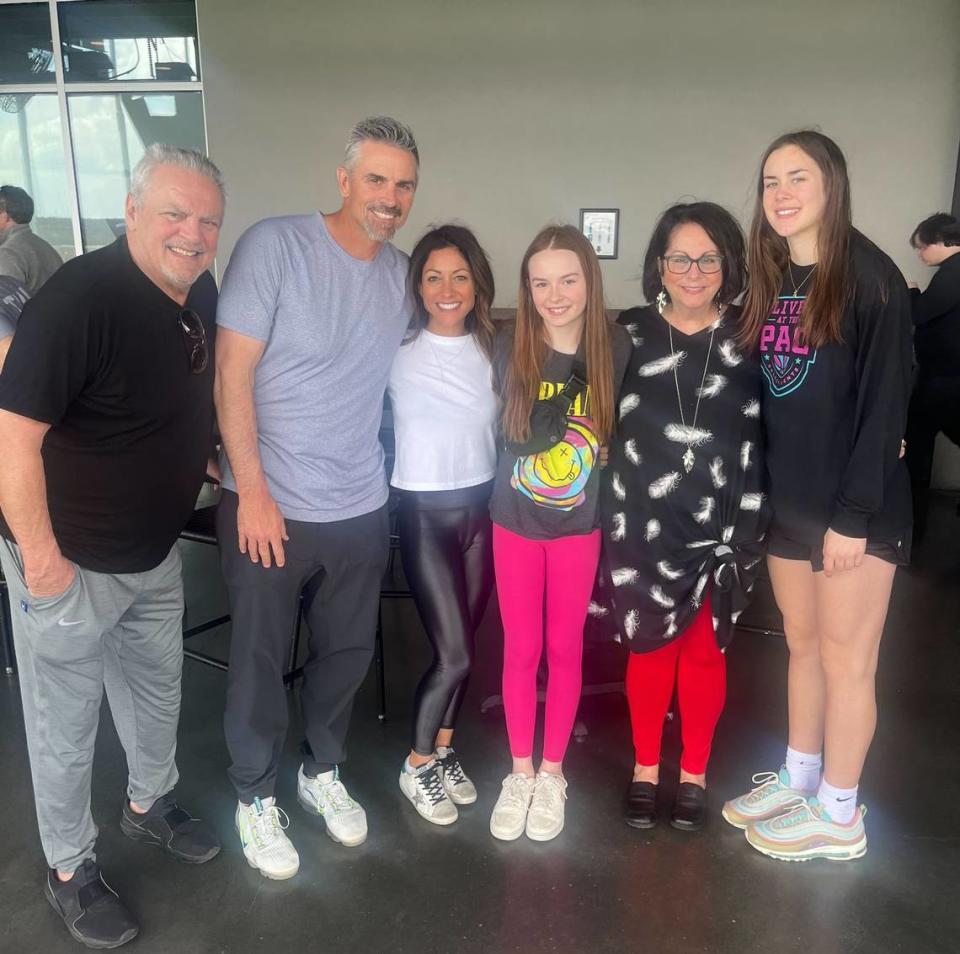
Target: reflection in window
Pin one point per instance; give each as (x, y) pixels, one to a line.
(25, 46)
(129, 40)
(31, 156)
(110, 134)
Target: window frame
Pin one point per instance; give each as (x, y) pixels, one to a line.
(65, 89)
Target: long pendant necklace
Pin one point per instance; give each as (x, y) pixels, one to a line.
(793, 281)
(689, 457)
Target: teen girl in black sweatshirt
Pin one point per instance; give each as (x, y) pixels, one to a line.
(830, 315)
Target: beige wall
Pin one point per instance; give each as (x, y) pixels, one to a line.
(527, 110)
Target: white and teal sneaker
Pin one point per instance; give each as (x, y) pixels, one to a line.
(456, 782)
(424, 788)
(327, 796)
(807, 831)
(265, 846)
(771, 796)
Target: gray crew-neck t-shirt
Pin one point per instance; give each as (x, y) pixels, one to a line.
(332, 325)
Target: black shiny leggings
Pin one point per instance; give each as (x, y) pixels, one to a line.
(445, 545)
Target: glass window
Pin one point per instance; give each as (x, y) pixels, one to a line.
(129, 40)
(110, 134)
(31, 156)
(26, 50)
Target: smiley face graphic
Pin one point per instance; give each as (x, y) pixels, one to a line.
(556, 478)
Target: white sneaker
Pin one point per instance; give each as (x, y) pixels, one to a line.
(456, 783)
(545, 817)
(510, 813)
(265, 846)
(328, 797)
(424, 787)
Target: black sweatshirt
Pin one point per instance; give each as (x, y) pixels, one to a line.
(936, 314)
(835, 416)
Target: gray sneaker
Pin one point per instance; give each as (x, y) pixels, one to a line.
(510, 813)
(545, 818)
(424, 788)
(456, 782)
(327, 796)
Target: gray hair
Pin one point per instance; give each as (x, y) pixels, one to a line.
(163, 154)
(379, 129)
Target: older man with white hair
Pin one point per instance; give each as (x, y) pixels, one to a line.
(106, 424)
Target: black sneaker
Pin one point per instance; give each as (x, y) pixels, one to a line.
(177, 832)
(90, 908)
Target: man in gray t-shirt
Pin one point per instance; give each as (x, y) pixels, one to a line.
(312, 311)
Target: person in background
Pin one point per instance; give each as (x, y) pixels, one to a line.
(557, 372)
(935, 406)
(830, 315)
(23, 254)
(682, 504)
(13, 296)
(445, 420)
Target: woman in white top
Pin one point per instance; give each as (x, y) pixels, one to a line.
(445, 422)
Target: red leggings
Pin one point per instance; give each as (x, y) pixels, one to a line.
(699, 669)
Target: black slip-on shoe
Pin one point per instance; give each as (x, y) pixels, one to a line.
(90, 908)
(171, 828)
(689, 807)
(641, 805)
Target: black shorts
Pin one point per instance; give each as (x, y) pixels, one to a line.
(781, 543)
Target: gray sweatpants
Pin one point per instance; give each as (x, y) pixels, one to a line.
(119, 632)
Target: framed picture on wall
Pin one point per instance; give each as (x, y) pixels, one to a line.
(602, 228)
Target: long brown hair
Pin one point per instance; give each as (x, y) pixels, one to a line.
(768, 253)
(525, 369)
(478, 323)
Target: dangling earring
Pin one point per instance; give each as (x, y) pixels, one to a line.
(661, 300)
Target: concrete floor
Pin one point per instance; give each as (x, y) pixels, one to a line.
(600, 886)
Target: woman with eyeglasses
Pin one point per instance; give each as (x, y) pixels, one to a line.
(683, 511)
(829, 314)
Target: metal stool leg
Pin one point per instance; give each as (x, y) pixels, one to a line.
(6, 633)
(378, 667)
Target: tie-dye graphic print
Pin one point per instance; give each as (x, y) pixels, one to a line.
(784, 357)
(557, 478)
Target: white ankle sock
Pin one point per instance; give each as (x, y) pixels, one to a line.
(804, 770)
(840, 803)
(442, 750)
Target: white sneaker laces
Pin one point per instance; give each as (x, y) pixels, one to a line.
(515, 793)
(336, 795)
(550, 791)
(761, 780)
(267, 827)
(797, 811)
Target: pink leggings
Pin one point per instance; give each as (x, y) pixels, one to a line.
(543, 584)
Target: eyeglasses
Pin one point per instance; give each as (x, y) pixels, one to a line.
(194, 340)
(709, 264)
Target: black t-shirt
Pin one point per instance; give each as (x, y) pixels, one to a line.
(835, 415)
(936, 314)
(100, 356)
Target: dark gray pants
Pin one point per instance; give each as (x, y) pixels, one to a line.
(338, 568)
(119, 632)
